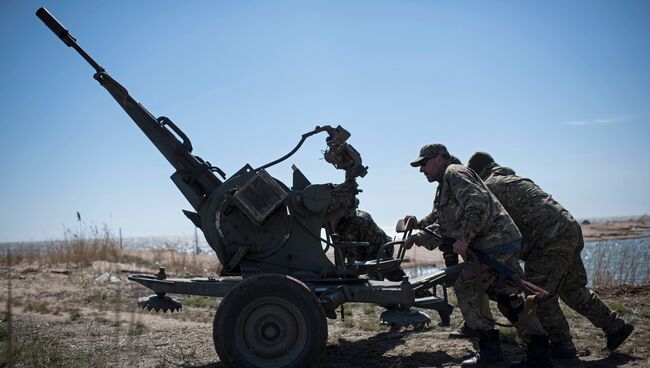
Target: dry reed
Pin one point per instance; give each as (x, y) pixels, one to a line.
(10, 332)
(80, 248)
(627, 265)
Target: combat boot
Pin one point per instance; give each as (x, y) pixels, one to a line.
(445, 315)
(489, 351)
(537, 355)
(462, 332)
(614, 340)
(563, 351)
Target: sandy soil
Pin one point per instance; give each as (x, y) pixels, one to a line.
(626, 229)
(88, 323)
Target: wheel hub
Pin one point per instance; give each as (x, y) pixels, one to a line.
(271, 331)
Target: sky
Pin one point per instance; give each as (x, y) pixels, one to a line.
(557, 90)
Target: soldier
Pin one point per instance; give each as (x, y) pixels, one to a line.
(552, 242)
(360, 227)
(468, 212)
(429, 237)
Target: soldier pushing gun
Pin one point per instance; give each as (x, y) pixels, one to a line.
(469, 212)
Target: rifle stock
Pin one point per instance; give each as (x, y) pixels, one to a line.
(490, 264)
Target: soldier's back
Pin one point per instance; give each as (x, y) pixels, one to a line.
(535, 212)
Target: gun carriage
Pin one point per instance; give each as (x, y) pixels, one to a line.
(278, 284)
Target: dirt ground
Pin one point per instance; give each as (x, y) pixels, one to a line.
(97, 324)
(72, 320)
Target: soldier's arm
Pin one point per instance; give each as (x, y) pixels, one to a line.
(429, 237)
(428, 220)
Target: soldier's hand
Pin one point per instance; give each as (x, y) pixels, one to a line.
(460, 247)
(408, 242)
(408, 218)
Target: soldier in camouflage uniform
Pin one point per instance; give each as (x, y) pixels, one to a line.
(552, 242)
(360, 227)
(429, 236)
(469, 212)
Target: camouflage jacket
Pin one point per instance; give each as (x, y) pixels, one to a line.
(535, 212)
(429, 236)
(432, 217)
(361, 228)
(468, 210)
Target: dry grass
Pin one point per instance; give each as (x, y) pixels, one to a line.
(82, 247)
(201, 302)
(39, 351)
(184, 264)
(78, 248)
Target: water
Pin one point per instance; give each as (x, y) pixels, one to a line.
(183, 243)
(416, 271)
(618, 261)
(613, 261)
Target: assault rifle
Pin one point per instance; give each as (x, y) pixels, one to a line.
(503, 272)
(490, 264)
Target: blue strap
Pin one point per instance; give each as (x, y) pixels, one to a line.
(511, 247)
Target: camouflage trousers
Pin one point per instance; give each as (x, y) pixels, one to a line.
(555, 264)
(474, 303)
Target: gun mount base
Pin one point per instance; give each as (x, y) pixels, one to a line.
(397, 318)
(159, 302)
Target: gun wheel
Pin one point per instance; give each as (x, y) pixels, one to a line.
(270, 321)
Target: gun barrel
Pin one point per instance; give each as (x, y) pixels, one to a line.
(194, 176)
(55, 26)
(60, 31)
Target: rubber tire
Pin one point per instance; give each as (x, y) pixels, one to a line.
(249, 291)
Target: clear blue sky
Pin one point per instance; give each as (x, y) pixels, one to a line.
(558, 90)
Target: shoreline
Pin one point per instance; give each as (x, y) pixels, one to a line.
(618, 229)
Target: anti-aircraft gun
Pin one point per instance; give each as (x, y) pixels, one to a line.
(278, 285)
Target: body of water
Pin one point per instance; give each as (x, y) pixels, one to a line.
(623, 261)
